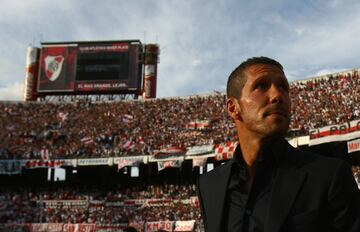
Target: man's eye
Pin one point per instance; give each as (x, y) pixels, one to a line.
(261, 86)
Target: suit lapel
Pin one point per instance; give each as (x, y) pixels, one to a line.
(213, 190)
(287, 184)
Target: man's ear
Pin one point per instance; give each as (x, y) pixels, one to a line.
(233, 108)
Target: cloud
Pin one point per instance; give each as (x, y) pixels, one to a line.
(12, 92)
(196, 62)
(323, 72)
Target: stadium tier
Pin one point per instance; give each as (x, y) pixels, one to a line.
(126, 128)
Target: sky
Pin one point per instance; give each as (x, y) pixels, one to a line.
(200, 41)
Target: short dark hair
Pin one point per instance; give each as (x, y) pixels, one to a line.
(237, 77)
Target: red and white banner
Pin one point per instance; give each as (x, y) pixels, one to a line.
(47, 227)
(60, 227)
(184, 225)
(79, 228)
(160, 225)
(224, 151)
(128, 145)
(199, 150)
(191, 125)
(124, 163)
(199, 124)
(353, 145)
(149, 202)
(114, 204)
(202, 124)
(45, 153)
(169, 152)
(158, 202)
(127, 118)
(334, 133)
(129, 161)
(87, 140)
(134, 202)
(111, 227)
(154, 202)
(64, 203)
(169, 164)
(44, 164)
(95, 161)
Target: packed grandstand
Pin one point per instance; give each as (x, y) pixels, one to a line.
(165, 132)
(86, 129)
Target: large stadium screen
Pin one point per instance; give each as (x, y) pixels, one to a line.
(104, 65)
(90, 67)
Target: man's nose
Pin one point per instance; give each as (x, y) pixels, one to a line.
(275, 94)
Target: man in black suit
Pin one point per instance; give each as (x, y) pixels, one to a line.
(269, 186)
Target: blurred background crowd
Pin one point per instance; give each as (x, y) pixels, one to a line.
(87, 129)
(97, 206)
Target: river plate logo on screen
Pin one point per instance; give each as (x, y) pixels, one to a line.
(53, 66)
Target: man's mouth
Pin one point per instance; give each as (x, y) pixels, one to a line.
(279, 112)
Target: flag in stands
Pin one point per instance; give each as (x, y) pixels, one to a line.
(63, 116)
(128, 145)
(8, 110)
(45, 153)
(127, 118)
(141, 140)
(224, 151)
(87, 140)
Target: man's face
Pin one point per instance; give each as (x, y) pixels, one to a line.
(264, 104)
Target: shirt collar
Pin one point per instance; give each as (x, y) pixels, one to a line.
(273, 154)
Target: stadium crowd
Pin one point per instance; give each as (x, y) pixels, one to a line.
(86, 129)
(325, 101)
(102, 207)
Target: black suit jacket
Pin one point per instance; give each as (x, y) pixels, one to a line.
(310, 193)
